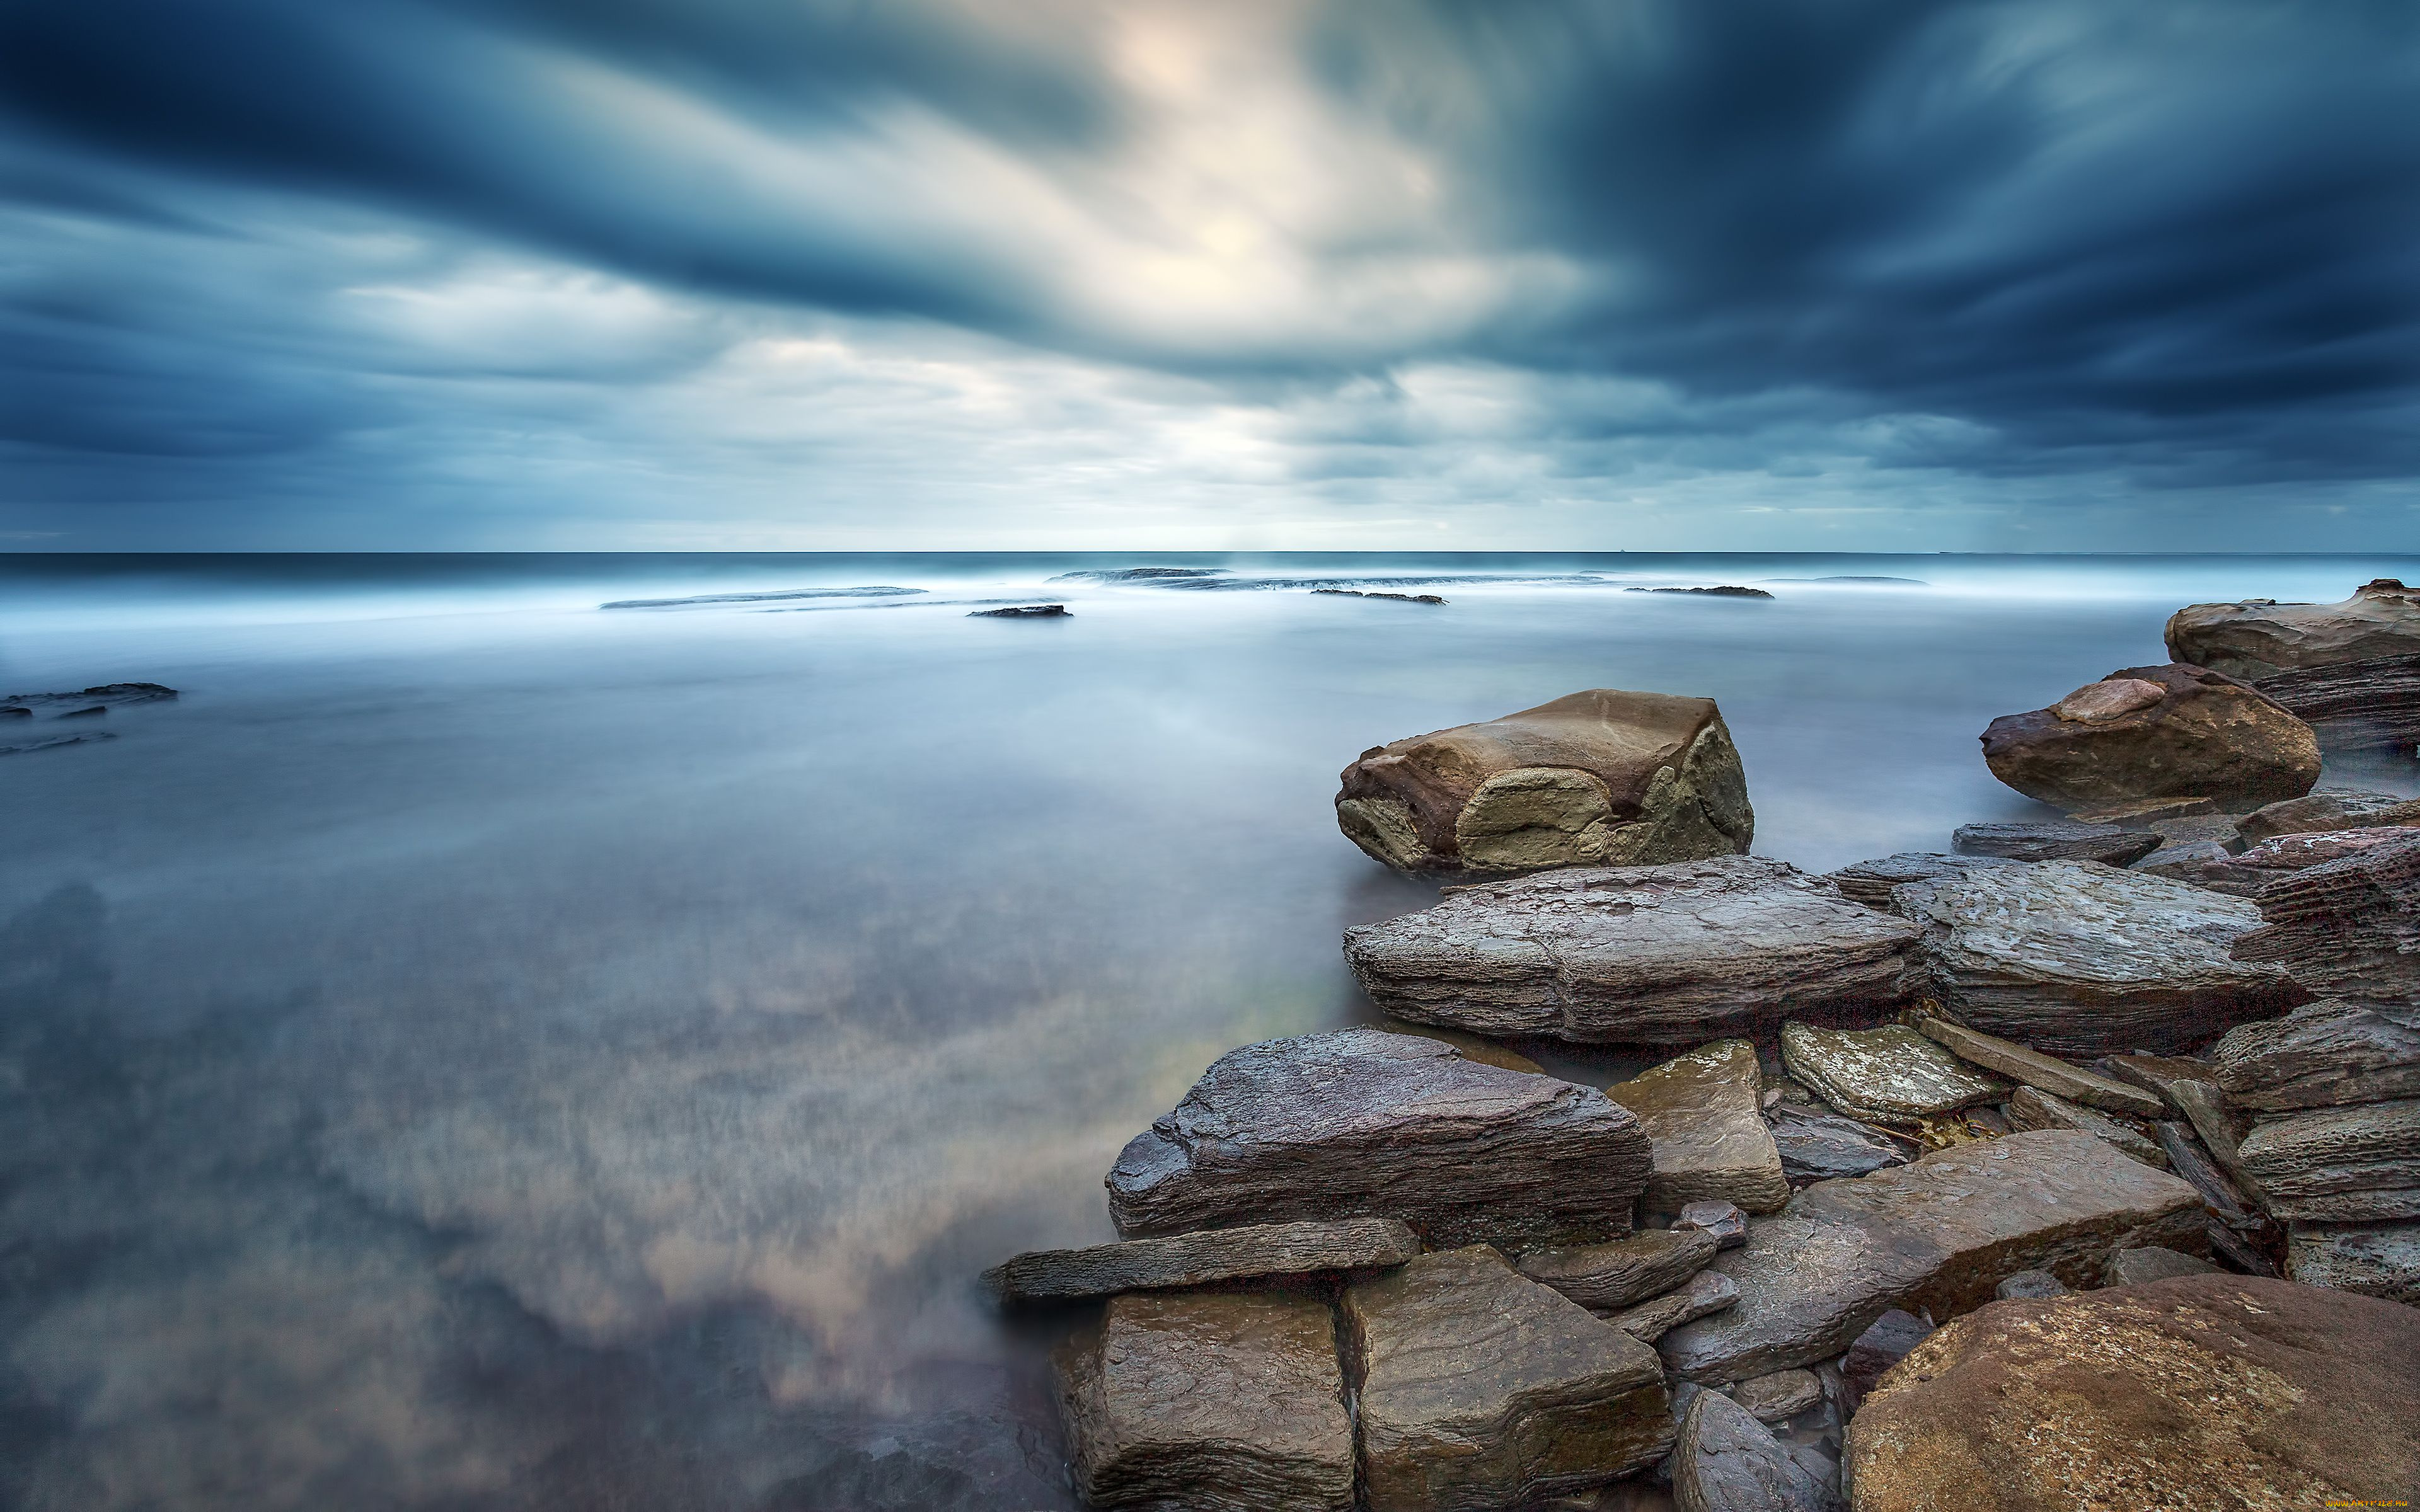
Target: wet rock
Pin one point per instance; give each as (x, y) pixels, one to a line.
(1212, 1400)
(2220, 1126)
(2030, 1285)
(2191, 1162)
(1479, 1388)
(1620, 1271)
(1197, 1258)
(2345, 928)
(1726, 1462)
(2327, 809)
(2149, 1262)
(2030, 1108)
(1360, 1122)
(2159, 1074)
(92, 710)
(2202, 863)
(2374, 1259)
(2357, 1164)
(1022, 611)
(2234, 1250)
(1890, 1076)
(1937, 1235)
(2055, 841)
(1702, 1113)
(1884, 1344)
(2077, 959)
(1602, 777)
(2260, 637)
(2145, 814)
(1871, 881)
(2036, 1070)
(2155, 733)
(1702, 1295)
(2370, 705)
(1722, 1220)
(1784, 1394)
(1816, 1147)
(1675, 954)
(2322, 1055)
(2206, 1391)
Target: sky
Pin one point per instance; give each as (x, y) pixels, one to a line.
(1328, 274)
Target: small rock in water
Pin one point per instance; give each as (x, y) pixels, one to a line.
(1890, 1076)
(1784, 1394)
(2030, 1285)
(1871, 881)
(87, 701)
(1234, 1402)
(1359, 592)
(2032, 1108)
(1480, 1388)
(1620, 1272)
(1816, 1147)
(1702, 1295)
(1728, 1462)
(2055, 841)
(1723, 591)
(1022, 611)
(1709, 1137)
(1722, 1220)
(2134, 1267)
(2034, 1069)
(1203, 1256)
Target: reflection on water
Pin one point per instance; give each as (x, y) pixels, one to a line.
(476, 1051)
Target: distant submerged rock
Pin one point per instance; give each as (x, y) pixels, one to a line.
(1022, 611)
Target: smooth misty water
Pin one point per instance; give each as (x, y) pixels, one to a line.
(480, 1051)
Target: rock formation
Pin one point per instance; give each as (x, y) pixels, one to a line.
(2031, 1109)
(1675, 954)
(1707, 1292)
(2322, 1055)
(2260, 637)
(2151, 732)
(2072, 958)
(1360, 1122)
(1610, 1276)
(2327, 809)
(1702, 1113)
(1225, 1402)
(1871, 881)
(1602, 777)
(2033, 1069)
(1479, 1389)
(1816, 1147)
(1728, 1462)
(2056, 839)
(1890, 1076)
(2347, 928)
(2375, 1259)
(1307, 1248)
(1937, 1235)
(2359, 1163)
(2205, 1391)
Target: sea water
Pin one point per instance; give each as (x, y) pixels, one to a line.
(478, 1049)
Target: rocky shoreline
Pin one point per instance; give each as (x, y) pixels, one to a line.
(2078, 1164)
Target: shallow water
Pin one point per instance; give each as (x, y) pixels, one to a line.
(480, 1050)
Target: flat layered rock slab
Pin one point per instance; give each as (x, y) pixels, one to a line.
(2052, 839)
(1871, 881)
(1817, 1147)
(1307, 1248)
(1620, 1272)
(1363, 1124)
(1655, 955)
(1595, 778)
(2047, 1074)
(2345, 928)
(2076, 959)
(1479, 1389)
(2322, 1055)
(2374, 1259)
(1702, 1295)
(2032, 1108)
(2356, 1163)
(1226, 1402)
(1703, 1114)
(2328, 808)
(1890, 1074)
(2208, 1391)
(1937, 1235)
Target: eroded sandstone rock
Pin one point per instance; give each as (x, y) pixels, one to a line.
(1701, 1111)
(1705, 1293)
(1360, 1122)
(1672, 954)
(2371, 705)
(1723, 1221)
(2347, 928)
(1602, 777)
(2205, 735)
(2077, 959)
(1871, 881)
(2322, 1055)
(2055, 841)
(2031, 1109)
(1890, 1074)
(2326, 809)
(1937, 1235)
(2260, 638)
(2030, 1285)
(1612, 1275)
(2375, 1259)
(1306, 1248)
(1479, 1388)
(2205, 1391)
(2354, 1163)
(2031, 1067)
(1228, 1402)
(1728, 1462)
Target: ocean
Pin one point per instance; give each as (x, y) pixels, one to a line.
(477, 1049)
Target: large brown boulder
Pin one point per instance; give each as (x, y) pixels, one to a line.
(1937, 1235)
(1602, 777)
(1675, 954)
(1226, 1402)
(1360, 1122)
(2153, 732)
(2260, 638)
(2201, 1390)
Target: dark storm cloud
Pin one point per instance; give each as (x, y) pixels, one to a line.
(2173, 243)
